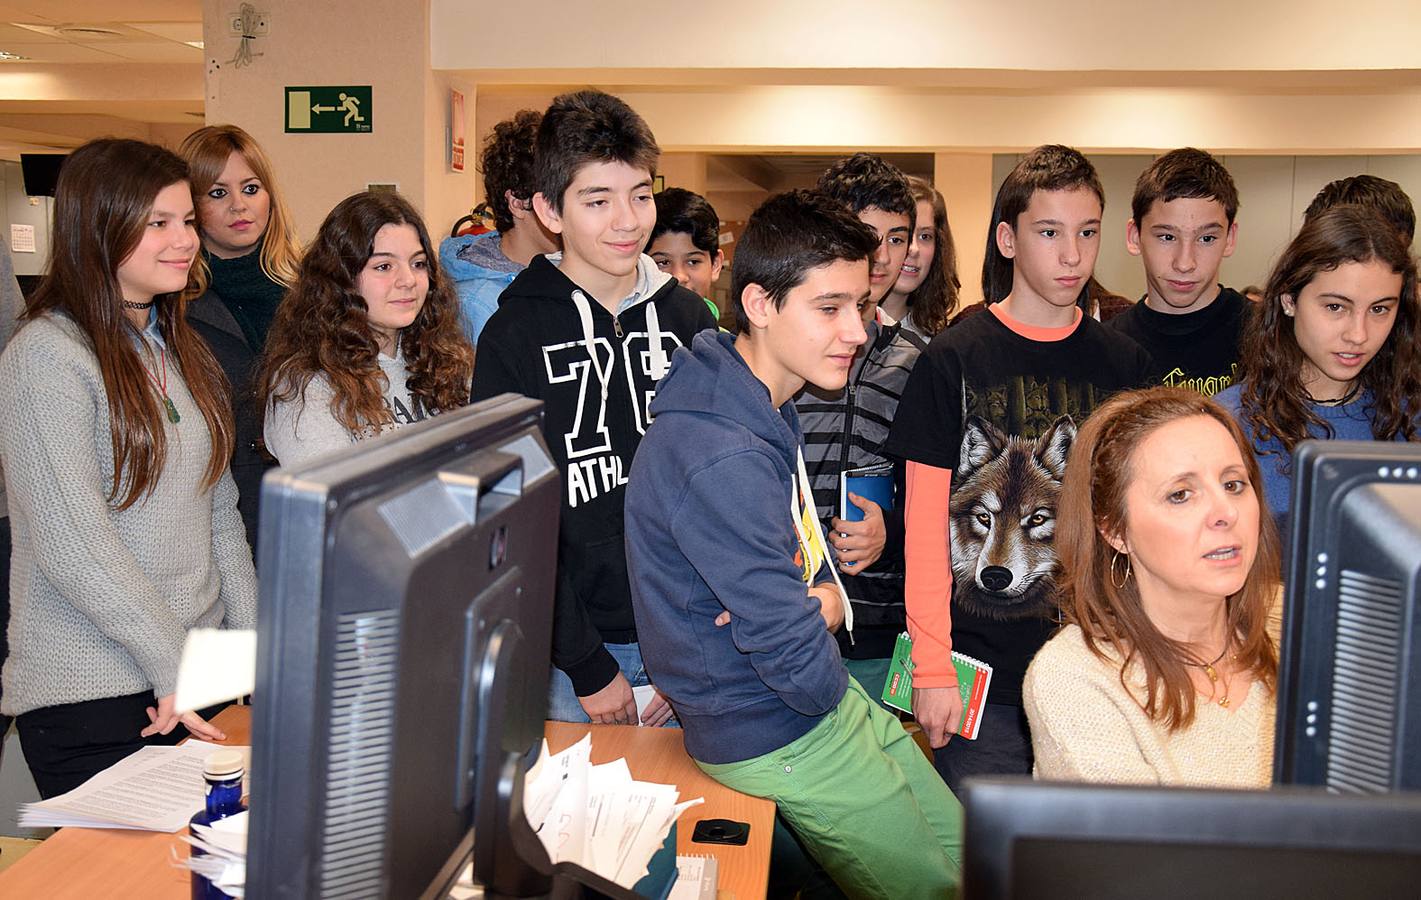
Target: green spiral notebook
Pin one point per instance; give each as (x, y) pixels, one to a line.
(974, 677)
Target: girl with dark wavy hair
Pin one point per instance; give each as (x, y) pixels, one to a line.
(925, 295)
(1165, 670)
(369, 337)
(115, 431)
(1331, 352)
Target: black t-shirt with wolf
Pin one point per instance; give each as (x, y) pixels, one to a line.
(1001, 410)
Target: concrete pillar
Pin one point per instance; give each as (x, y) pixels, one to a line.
(327, 42)
(965, 182)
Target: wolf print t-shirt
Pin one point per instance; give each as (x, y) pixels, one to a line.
(1197, 350)
(1000, 409)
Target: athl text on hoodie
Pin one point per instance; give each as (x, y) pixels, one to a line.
(710, 530)
(596, 374)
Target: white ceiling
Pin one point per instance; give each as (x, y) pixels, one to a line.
(75, 44)
(72, 31)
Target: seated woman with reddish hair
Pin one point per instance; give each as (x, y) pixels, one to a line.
(1165, 669)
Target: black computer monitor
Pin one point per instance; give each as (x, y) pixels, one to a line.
(40, 172)
(403, 642)
(1026, 840)
(1349, 680)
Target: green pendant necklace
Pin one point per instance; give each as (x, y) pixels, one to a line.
(162, 386)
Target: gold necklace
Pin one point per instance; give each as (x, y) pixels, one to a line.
(1213, 673)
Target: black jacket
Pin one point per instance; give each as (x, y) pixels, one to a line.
(594, 417)
(215, 324)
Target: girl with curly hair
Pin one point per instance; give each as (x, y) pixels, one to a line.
(368, 339)
(925, 296)
(1331, 352)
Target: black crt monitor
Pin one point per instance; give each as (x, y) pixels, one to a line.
(404, 634)
(1028, 840)
(1349, 678)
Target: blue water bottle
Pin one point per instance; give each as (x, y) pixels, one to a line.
(223, 772)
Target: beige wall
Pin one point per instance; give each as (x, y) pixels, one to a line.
(931, 34)
(327, 42)
(834, 118)
(965, 182)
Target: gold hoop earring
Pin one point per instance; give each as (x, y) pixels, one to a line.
(1120, 583)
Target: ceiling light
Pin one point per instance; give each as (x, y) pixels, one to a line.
(6, 54)
(197, 44)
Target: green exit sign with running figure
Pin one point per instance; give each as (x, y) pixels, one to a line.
(328, 110)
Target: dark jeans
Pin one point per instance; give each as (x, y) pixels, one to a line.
(1002, 747)
(67, 745)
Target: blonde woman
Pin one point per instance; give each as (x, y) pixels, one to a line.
(249, 259)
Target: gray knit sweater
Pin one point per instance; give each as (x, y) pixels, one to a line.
(102, 598)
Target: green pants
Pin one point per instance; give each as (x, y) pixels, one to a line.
(864, 801)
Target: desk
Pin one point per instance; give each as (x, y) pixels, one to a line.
(83, 863)
(658, 754)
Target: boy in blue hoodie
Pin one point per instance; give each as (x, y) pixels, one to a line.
(732, 582)
(482, 265)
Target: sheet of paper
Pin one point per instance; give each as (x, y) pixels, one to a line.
(155, 789)
(642, 695)
(218, 664)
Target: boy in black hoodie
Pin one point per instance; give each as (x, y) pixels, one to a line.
(733, 582)
(590, 332)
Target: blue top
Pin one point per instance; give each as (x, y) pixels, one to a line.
(708, 529)
(1350, 422)
(480, 272)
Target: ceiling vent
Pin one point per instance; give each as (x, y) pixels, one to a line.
(88, 32)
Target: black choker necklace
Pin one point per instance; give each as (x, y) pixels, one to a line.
(130, 305)
(1338, 401)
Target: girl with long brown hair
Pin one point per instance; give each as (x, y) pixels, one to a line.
(1165, 669)
(115, 431)
(369, 338)
(248, 262)
(925, 295)
(1332, 351)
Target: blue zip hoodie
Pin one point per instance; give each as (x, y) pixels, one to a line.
(480, 272)
(708, 530)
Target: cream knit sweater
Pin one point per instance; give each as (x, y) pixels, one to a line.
(101, 599)
(1086, 727)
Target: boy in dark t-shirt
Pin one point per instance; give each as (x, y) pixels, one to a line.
(985, 424)
(1182, 226)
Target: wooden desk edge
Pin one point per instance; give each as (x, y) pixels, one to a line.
(83, 862)
(659, 755)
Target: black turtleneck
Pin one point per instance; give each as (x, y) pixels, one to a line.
(247, 292)
(1197, 350)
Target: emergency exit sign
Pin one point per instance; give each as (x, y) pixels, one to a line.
(328, 110)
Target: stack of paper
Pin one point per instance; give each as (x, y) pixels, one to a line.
(598, 817)
(225, 844)
(155, 789)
